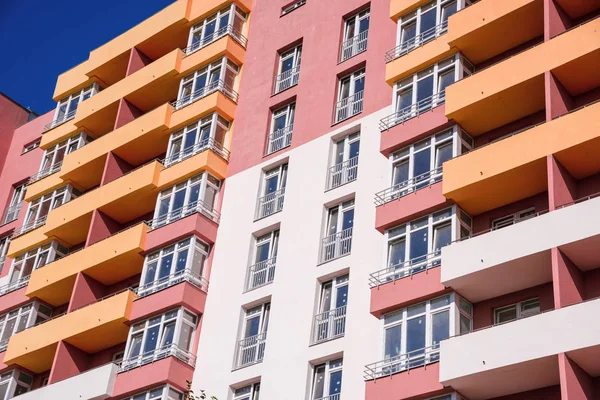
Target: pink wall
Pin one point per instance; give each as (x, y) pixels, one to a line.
(592, 284)
(318, 24)
(484, 220)
(12, 116)
(195, 224)
(13, 299)
(422, 382)
(547, 393)
(575, 383)
(68, 361)
(182, 294)
(562, 187)
(556, 20)
(569, 285)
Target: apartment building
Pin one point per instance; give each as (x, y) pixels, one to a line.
(342, 200)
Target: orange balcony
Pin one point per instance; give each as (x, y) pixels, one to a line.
(400, 7)
(514, 88)
(108, 261)
(92, 328)
(515, 168)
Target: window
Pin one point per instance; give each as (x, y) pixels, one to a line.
(14, 383)
(169, 334)
(345, 161)
(350, 95)
(20, 319)
(250, 392)
(31, 146)
(327, 380)
(282, 125)
(330, 321)
(118, 356)
(53, 156)
(229, 20)
(288, 9)
(4, 243)
(66, 108)
(184, 260)
(288, 72)
(39, 208)
(160, 393)
(197, 194)
(14, 207)
(251, 348)
(338, 231)
(273, 192)
(517, 311)
(356, 32)
(24, 264)
(513, 218)
(208, 133)
(262, 268)
(219, 75)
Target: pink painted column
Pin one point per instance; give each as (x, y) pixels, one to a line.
(86, 290)
(556, 20)
(114, 168)
(68, 361)
(575, 383)
(558, 100)
(126, 113)
(137, 61)
(562, 187)
(101, 227)
(567, 279)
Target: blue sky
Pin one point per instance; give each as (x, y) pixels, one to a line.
(43, 38)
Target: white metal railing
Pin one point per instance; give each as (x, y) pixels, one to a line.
(349, 107)
(280, 139)
(342, 173)
(336, 245)
(189, 209)
(405, 269)
(29, 226)
(260, 274)
(16, 285)
(203, 145)
(416, 42)
(270, 204)
(403, 362)
(12, 213)
(286, 79)
(354, 45)
(335, 396)
(60, 121)
(184, 275)
(412, 111)
(45, 172)
(210, 88)
(250, 350)
(216, 35)
(329, 325)
(408, 186)
(171, 350)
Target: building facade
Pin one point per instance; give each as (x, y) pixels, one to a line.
(381, 200)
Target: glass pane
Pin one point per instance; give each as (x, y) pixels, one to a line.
(150, 272)
(319, 383)
(335, 382)
(506, 314)
(440, 328)
(442, 236)
(181, 260)
(185, 337)
(443, 154)
(341, 298)
(165, 266)
(354, 148)
(448, 10)
(465, 324)
(9, 328)
(263, 252)
(409, 31)
(446, 79)
(418, 245)
(397, 253)
(424, 91)
(136, 345)
(400, 174)
(428, 20)
(415, 334)
(252, 326)
(168, 333)
(151, 339)
(393, 337)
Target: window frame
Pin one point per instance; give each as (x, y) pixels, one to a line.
(519, 312)
(13, 381)
(224, 66)
(252, 394)
(285, 133)
(31, 146)
(57, 198)
(32, 312)
(79, 96)
(167, 392)
(285, 10)
(264, 312)
(232, 11)
(329, 368)
(69, 145)
(14, 206)
(41, 255)
(513, 218)
(341, 208)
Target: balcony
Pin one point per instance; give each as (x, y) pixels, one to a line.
(226, 30)
(280, 139)
(45, 172)
(354, 46)
(329, 325)
(250, 351)
(29, 226)
(12, 213)
(349, 107)
(185, 275)
(335, 246)
(92, 328)
(416, 42)
(185, 211)
(412, 111)
(402, 363)
(261, 274)
(212, 87)
(270, 204)
(171, 350)
(14, 286)
(59, 121)
(342, 173)
(204, 145)
(286, 80)
(404, 188)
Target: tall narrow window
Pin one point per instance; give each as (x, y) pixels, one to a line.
(40, 207)
(220, 75)
(338, 231)
(288, 71)
(14, 207)
(345, 161)
(327, 380)
(4, 243)
(356, 32)
(251, 347)
(273, 192)
(24, 264)
(53, 156)
(330, 320)
(229, 20)
(250, 392)
(282, 125)
(350, 95)
(20, 319)
(262, 269)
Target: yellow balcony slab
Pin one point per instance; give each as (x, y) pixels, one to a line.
(205, 161)
(514, 88)
(400, 7)
(44, 185)
(61, 132)
(515, 168)
(27, 241)
(92, 328)
(108, 261)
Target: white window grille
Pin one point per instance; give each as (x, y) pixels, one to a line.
(288, 72)
(337, 241)
(330, 320)
(227, 21)
(262, 270)
(356, 34)
(273, 192)
(251, 347)
(345, 161)
(282, 125)
(350, 96)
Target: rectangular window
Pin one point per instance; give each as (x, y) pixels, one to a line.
(4, 243)
(250, 392)
(20, 319)
(356, 33)
(350, 95)
(220, 75)
(40, 207)
(330, 320)
(251, 347)
(272, 192)
(182, 261)
(513, 218)
(14, 383)
(262, 269)
(14, 207)
(337, 240)
(197, 194)
(24, 264)
(160, 393)
(289, 8)
(66, 108)
(282, 125)
(53, 156)
(169, 334)
(345, 161)
(288, 72)
(516, 311)
(327, 380)
(31, 146)
(229, 20)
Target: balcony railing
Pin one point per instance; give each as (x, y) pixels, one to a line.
(349, 107)
(12, 213)
(270, 204)
(286, 80)
(280, 139)
(4, 344)
(171, 350)
(60, 121)
(335, 396)
(16, 285)
(261, 274)
(189, 209)
(29, 227)
(405, 269)
(403, 362)
(412, 111)
(226, 30)
(354, 46)
(210, 88)
(408, 186)
(203, 145)
(250, 350)
(336, 245)
(416, 42)
(45, 172)
(329, 325)
(185, 275)
(342, 173)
